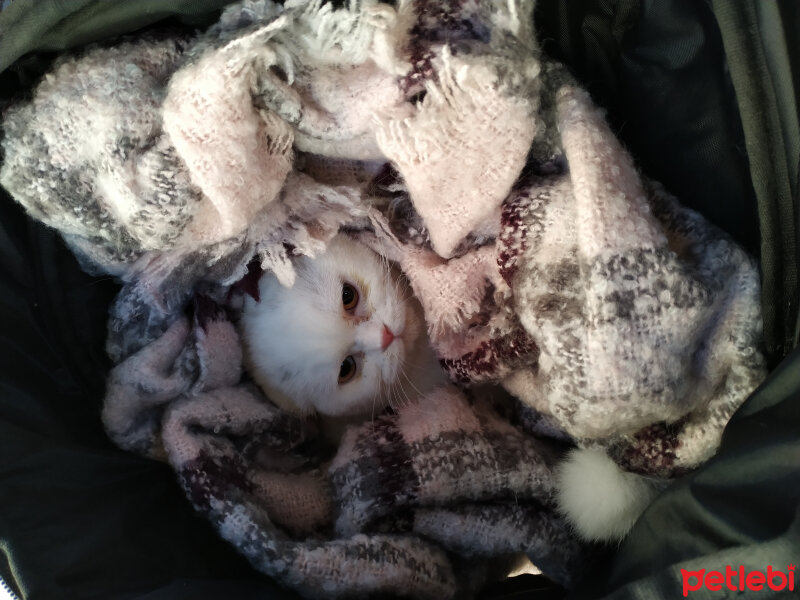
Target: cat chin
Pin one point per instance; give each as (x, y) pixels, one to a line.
(277, 397)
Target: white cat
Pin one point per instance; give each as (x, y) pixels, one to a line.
(346, 340)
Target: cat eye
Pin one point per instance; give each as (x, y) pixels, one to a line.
(348, 370)
(349, 297)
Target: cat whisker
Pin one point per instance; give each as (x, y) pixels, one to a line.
(413, 366)
(393, 401)
(400, 402)
(380, 393)
(376, 394)
(403, 372)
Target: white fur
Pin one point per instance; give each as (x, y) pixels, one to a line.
(600, 500)
(296, 338)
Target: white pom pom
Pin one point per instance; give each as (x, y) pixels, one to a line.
(600, 500)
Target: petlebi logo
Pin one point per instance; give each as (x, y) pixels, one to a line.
(738, 579)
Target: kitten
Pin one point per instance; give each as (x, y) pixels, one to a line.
(346, 340)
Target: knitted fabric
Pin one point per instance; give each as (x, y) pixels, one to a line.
(568, 299)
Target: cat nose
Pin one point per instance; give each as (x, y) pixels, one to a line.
(386, 338)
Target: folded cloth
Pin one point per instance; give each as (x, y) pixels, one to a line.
(435, 133)
(629, 320)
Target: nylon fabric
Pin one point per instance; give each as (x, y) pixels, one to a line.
(33, 31)
(54, 25)
(767, 138)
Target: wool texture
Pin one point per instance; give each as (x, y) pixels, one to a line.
(571, 301)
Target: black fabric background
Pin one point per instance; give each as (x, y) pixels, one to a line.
(81, 519)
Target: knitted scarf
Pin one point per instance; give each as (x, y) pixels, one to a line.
(571, 301)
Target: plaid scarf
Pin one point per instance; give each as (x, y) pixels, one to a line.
(569, 300)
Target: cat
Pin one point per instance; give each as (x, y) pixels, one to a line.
(346, 341)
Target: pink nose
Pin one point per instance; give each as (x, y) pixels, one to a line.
(387, 337)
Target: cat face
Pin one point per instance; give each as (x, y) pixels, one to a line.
(345, 340)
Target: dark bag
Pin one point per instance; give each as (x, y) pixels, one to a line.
(703, 94)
